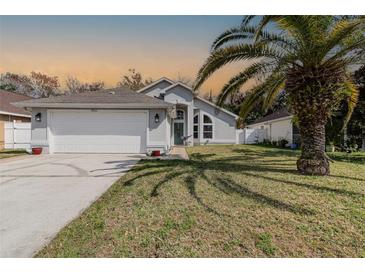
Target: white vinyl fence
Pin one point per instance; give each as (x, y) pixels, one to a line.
(251, 135)
(17, 135)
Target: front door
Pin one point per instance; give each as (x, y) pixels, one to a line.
(178, 133)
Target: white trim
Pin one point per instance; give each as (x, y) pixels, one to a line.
(178, 84)
(179, 121)
(96, 105)
(15, 114)
(196, 124)
(208, 124)
(155, 83)
(198, 97)
(214, 105)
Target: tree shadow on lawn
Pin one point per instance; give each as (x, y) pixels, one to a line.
(195, 169)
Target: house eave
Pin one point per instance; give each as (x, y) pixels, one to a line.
(155, 83)
(15, 114)
(93, 105)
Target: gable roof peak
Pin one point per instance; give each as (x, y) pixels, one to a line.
(155, 83)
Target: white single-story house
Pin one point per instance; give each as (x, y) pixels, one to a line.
(160, 115)
(276, 126)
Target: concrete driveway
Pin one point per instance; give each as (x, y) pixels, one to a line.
(39, 195)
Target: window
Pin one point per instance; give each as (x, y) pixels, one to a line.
(196, 119)
(179, 114)
(207, 127)
(196, 126)
(207, 119)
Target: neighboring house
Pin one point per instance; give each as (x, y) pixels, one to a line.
(11, 113)
(278, 125)
(162, 114)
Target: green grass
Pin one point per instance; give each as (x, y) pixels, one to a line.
(7, 153)
(226, 201)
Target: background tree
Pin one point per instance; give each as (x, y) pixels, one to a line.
(355, 128)
(257, 112)
(308, 56)
(73, 85)
(356, 125)
(35, 85)
(134, 80)
(184, 79)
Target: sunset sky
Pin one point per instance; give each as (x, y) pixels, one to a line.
(105, 47)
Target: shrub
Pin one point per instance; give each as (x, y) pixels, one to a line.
(283, 142)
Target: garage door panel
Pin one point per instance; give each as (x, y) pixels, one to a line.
(98, 132)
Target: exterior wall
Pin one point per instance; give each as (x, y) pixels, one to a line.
(183, 97)
(39, 129)
(224, 125)
(158, 137)
(282, 130)
(179, 95)
(276, 130)
(156, 89)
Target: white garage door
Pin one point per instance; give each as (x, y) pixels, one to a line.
(100, 131)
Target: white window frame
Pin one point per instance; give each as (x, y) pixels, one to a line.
(196, 124)
(207, 124)
(178, 121)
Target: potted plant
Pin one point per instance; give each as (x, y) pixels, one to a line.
(36, 150)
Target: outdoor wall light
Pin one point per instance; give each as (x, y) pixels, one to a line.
(157, 118)
(38, 117)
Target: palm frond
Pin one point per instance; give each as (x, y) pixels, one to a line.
(247, 19)
(266, 19)
(352, 93)
(274, 86)
(342, 30)
(230, 35)
(223, 56)
(343, 51)
(252, 98)
(241, 78)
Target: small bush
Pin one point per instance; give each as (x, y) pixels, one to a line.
(283, 142)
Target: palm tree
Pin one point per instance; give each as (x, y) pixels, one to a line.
(308, 56)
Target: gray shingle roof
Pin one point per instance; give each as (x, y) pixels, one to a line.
(116, 97)
(276, 115)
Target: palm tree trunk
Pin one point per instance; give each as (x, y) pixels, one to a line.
(313, 160)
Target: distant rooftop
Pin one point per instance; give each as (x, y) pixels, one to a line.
(9, 97)
(275, 115)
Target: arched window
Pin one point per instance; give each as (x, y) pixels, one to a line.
(180, 114)
(207, 127)
(196, 126)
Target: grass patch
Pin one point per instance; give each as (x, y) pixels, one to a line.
(265, 244)
(7, 153)
(226, 201)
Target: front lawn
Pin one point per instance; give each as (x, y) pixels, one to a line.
(226, 201)
(7, 153)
